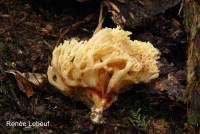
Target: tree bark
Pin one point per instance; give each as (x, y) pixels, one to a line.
(191, 11)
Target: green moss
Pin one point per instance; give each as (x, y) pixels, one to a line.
(139, 120)
(194, 118)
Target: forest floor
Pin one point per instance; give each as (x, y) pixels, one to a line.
(28, 33)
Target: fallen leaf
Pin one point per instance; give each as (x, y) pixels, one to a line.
(22, 83)
(25, 80)
(34, 78)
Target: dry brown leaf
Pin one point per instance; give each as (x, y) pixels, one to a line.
(34, 78)
(25, 81)
(22, 83)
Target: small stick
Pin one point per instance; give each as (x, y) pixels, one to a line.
(101, 19)
(65, 30)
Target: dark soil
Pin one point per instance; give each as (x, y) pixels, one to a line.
(29, 30)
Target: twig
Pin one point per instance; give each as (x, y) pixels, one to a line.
(101, 18)
(5, 16)
(131, 121)
(15, 24)
(42, 34)
(140, 2)
(66, 29)
(46, 43)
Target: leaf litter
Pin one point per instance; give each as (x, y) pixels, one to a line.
(32, 31)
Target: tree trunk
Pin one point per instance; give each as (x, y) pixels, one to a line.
(191, 10)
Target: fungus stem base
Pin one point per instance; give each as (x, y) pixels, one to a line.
(97, 115)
